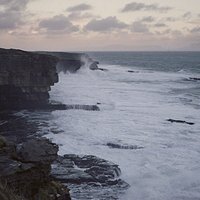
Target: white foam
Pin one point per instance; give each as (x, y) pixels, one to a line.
(134, 108)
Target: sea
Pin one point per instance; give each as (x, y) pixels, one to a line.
(137, 94)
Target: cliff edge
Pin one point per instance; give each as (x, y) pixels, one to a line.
(25, 78)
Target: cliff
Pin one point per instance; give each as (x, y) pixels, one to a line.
(68, 62)
(25, 78)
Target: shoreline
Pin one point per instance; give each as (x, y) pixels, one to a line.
(31, 155)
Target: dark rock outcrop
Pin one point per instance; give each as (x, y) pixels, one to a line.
(25, 168)
(123, 146)
(86, 169)
(131, 71)
(194, 79)
(89, 177)
(180, 121)
(25, 78)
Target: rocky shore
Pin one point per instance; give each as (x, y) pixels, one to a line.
(30, 167)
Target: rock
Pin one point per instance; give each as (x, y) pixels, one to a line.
(2, 142)
(76, 107)
(194, 79)
(37, 151)
(102, 69)
(83, 107)
(50, 107)
(71, 175)
(81, 169)
(26, 170)
(89, 177)
(119, 146)
(180, 121)
(131, 71)
(25, 78)
(94, 65)
(67, 62)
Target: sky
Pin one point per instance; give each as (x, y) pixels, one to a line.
(100, 25)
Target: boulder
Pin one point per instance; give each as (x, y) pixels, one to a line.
(37, 151)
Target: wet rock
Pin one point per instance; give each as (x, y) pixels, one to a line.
(37, 151)
(94, 65)
(119, 146)
(131, 71)
(180, 121)
(71, 175)
(82, 107)
(69, 107)
(194, 79)
(91, 169)
(89, 177)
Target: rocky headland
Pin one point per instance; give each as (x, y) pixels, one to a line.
(30, 167)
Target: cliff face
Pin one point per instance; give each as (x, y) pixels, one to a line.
(68, 62)
(25, 78)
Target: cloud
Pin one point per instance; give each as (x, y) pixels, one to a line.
(170, 19)
(148, 19)
(80, 7)
(79, 16)
(12, 13)
(160, 25)
(104, 25)
(139, 27)
(187, 15)
(57, 25)
(195, 30)
(14, 5)
(134, 6)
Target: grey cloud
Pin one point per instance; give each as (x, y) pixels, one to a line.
(134, 6)
(80, 7)
(57, 25)
(104, 25)
(187, 15)
(148, 19)
(195, 30)
(139, 27)
(160, 25)
(11, 16)
(14, 5)
(170, 19)
(79, 15)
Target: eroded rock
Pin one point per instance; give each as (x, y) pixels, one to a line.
(25, 169)
(123, 146)
(180, 121)
(81, 169)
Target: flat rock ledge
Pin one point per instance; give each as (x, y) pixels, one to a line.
(88, 173)
(25, 171)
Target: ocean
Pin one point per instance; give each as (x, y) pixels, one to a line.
(137, 94)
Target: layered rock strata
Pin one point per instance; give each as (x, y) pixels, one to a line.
(25, 170)
(25, 78)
